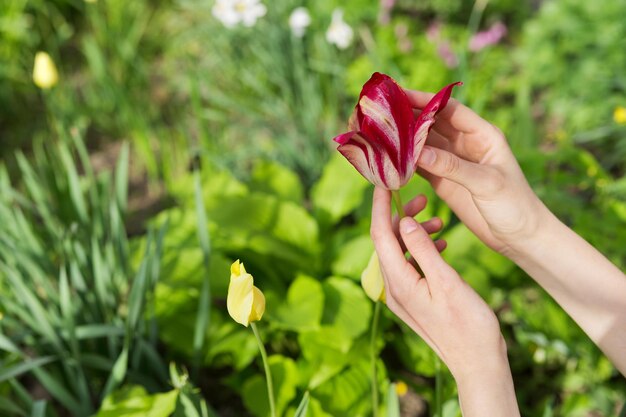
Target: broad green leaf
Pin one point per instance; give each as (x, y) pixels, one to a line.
(273, 178)
(302, 309)
(325, 353)
(339, 191)
(346, 307)
(353, 257)
(285, 381)
(134, 401)
(347, 393)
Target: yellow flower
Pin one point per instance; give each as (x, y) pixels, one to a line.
(245, 302)
(401, 389)
(45, 73)
(372, 280)
(619, 115)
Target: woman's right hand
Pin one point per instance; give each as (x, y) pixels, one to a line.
(471, 167)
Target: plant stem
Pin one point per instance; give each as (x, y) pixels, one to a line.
(374, 357)
(266, 365)
(438, 388)
(398, 201)
(400, 208)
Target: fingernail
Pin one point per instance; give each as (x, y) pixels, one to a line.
(427, 157)
(408, 225)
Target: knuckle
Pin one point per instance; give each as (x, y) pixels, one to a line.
(450, 165)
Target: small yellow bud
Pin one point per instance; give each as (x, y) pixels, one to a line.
(245, 302)
(45, 73)
(372, 280)
(619, 115)
(401, 389)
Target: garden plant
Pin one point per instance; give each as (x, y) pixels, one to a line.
(181, 236)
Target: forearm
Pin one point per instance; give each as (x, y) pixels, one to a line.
(589, 287)
(488, 393)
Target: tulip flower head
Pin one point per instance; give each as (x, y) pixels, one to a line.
(245, 302)
(45, 74)
(619, 115)
(385, 138)
(372, 280)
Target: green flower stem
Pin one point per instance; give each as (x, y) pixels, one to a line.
(374, 357)
(400, 208)
(438, 388)
(268, 373)
(398, 201)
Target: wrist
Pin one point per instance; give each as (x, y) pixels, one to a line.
(537, 227)
(493, 365)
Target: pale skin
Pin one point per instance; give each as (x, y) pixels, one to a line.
(469, 164)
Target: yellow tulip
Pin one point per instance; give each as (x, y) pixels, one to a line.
(619, 115)
(45, 73)
(372, 280)
(245, 302)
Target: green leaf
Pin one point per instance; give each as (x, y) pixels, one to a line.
(303, 408)
(346, 308)
(347, 393)
(285, 380)
(121, 178)
(353, 257)
(302, 309)
(339, 191)
(23, 367)
(134, 401)
(118, 373)
(273, 178)
(393, 402)
(204, 304)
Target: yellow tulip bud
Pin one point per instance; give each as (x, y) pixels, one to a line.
(372, 280)
(45, 73)
(619, 115)
(245, 302)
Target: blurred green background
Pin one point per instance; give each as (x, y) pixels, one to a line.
(181, 135)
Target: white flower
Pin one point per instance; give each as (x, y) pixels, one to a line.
(299, 21)
(339, 32)
(233, 12)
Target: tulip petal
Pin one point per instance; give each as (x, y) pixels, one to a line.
(426, 119)
(240, 298)
(369, 159)
(258, 305)
(372, 279)
(385, 114)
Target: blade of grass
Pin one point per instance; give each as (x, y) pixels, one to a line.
(204, 305)
(23, 367)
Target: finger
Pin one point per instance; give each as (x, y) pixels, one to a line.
(422, 248)
(387, 246)
(441, 245)
(433, 225)
(480, 180)
(415, 206)
(401, 279)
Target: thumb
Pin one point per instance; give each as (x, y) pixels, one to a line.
(478, 179)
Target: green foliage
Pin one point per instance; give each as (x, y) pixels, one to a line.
(91, 318)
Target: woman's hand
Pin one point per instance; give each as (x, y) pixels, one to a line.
(445, 311)
(471, 167)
